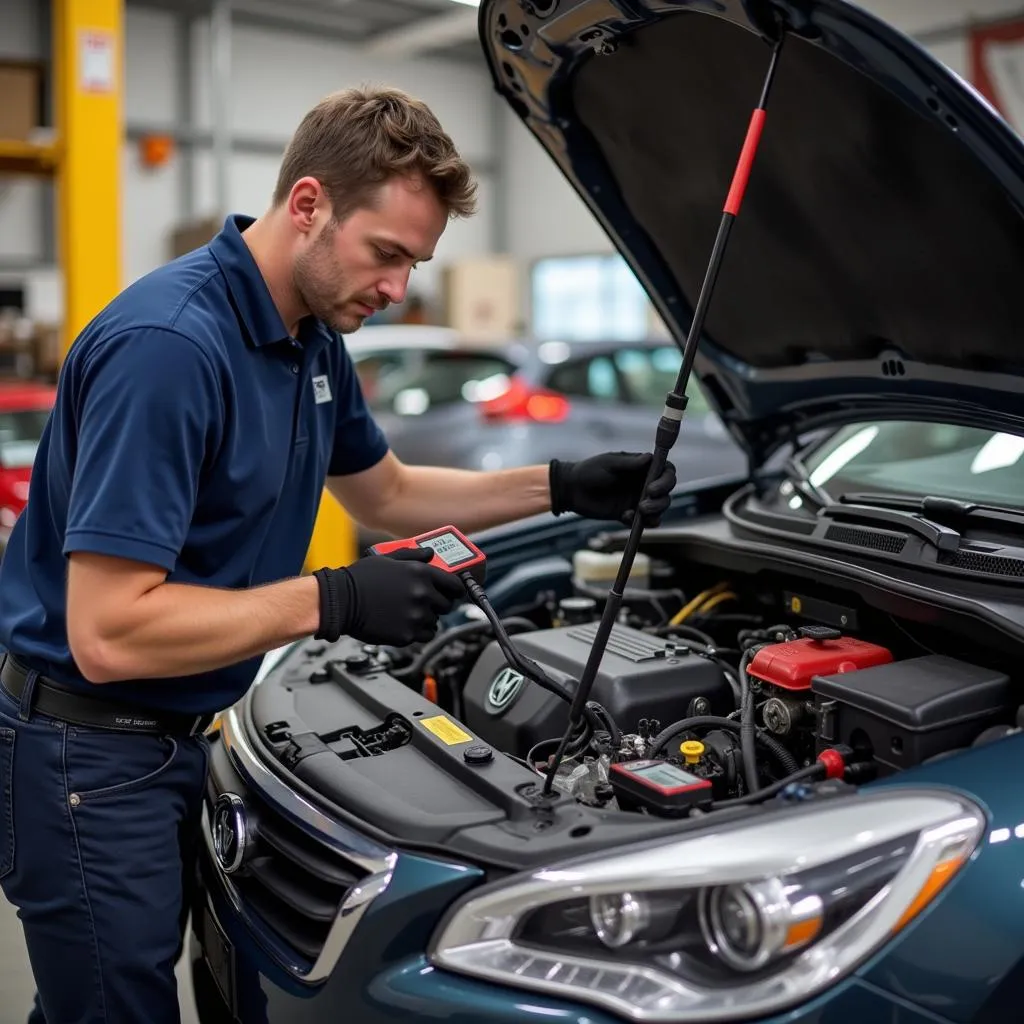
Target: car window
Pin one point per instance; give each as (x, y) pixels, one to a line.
(19, 436)
(921, 458)
(593, 377)
(441, 378)
(650, 374)
(373, 368)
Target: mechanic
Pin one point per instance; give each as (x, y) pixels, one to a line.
(198, 418)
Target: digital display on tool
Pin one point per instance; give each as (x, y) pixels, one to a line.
(660, 785)
(453, 551)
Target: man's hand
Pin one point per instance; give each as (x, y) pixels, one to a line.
(386, 599)
(609, 486)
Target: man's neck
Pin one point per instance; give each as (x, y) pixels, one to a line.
(271, 255)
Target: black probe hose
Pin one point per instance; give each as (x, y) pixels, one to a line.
(527, 666)
(449, 636)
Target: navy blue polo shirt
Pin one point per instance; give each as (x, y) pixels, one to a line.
(190, 432)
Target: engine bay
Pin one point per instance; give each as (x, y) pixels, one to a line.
(732, 693)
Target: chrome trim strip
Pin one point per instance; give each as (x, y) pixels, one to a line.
(350, 913)
(368, 855)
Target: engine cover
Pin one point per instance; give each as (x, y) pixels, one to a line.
(641, 676)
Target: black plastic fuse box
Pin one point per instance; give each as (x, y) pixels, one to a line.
(909, 711)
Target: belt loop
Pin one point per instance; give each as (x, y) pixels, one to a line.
(28, 695)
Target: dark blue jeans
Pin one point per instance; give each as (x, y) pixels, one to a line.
(97, 837)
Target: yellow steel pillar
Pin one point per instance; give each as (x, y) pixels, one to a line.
(334, 536)
(88, 61)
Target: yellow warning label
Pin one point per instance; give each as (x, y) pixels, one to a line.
(445, 730)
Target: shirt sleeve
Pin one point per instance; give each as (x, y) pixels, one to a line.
(148, 414)
(359, 443)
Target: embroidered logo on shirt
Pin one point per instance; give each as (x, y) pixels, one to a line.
(321, 389)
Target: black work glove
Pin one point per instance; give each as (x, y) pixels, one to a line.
(608, 486)
(391, 599)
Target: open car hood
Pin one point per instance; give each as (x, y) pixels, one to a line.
(875, 266)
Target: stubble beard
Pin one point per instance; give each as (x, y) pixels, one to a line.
(319, 280)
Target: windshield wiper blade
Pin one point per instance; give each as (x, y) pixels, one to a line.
(942, 538)
(940, 509)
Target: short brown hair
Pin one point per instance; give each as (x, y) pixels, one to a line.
(354, 140)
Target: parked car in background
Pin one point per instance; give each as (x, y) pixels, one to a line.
(24, 409)
(443, 400)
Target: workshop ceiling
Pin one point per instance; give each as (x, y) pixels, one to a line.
(396, 28)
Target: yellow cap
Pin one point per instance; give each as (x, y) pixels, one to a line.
(692, 750)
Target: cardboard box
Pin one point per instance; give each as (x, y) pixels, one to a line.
(481, 298)
(186, 237)
(20, 99)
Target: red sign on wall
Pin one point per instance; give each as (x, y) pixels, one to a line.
(997, 68)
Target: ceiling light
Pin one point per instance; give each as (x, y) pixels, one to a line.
(467, 3)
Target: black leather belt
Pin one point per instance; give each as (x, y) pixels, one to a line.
(52, 699)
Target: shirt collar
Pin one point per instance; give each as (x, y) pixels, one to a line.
(252, 298)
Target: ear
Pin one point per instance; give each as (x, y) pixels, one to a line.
(307, 204)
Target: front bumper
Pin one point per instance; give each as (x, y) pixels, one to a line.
(367, 963)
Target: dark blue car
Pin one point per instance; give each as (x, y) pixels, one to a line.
(791, 795)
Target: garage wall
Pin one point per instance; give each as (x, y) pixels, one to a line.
(20, 203)
(276, 77)
(545, 216)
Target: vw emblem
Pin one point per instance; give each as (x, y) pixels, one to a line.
(230, 831)
(504, 689)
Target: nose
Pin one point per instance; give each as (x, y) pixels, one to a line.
(394, 286)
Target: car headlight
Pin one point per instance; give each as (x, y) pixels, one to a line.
(730, 921)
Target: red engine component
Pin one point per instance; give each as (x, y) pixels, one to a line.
(792, 665)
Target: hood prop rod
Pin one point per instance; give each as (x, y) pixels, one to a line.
(672, 415)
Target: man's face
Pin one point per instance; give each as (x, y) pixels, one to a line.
(349, 270)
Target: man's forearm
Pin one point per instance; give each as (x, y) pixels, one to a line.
(431, 496)
(175, 629)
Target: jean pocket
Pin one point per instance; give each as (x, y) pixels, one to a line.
(101, 764)
(6, 801)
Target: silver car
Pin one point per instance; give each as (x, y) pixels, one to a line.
(444, 401)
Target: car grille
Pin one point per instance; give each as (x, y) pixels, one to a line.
(290, 880)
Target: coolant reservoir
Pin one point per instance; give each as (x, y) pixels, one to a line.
(599, 568)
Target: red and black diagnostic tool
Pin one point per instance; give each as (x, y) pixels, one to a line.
(659, 786)
(453, 551)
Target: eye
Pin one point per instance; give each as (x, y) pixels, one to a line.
(384, 256)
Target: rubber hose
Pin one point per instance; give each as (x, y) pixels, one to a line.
(786, 760)
(748, 750)
(770, 744)
(812, 772)
(697, 722)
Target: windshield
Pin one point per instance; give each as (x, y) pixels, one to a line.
(19, 436)
(921, 459)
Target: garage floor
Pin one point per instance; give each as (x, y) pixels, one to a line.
(17, 988)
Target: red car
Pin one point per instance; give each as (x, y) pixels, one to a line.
(24, 409)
